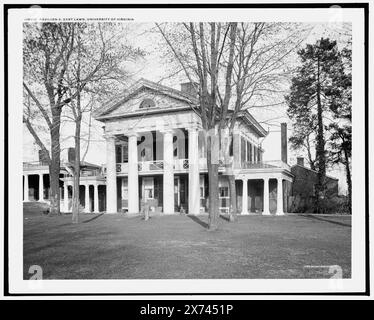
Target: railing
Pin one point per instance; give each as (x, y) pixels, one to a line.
(122, 167)
(34, 164)
(265, 165)
(181, 164)
(184, 164)
(156, 165)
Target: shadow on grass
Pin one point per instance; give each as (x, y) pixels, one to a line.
(93, 218)
(197, 220)
(326, 220)
(226, 218)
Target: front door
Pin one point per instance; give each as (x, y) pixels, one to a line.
(148, 191)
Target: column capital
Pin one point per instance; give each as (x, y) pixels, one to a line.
(132, 134)
(193, 129)
(109, 136)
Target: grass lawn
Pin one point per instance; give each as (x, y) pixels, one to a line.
(176, 247)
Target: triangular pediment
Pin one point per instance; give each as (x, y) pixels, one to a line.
(146, 96)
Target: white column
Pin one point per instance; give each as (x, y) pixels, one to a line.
(133, 178)
(87, 198)
(66, 197)
(41, 187)
(96, 198)
(193, 174)
(26, 188)
(168, 183)
(266, 210)
(245, 197)
(280, 197)
(111, 177)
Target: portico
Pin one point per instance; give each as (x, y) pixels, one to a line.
(162, 153)
(91, 194)
(156, 154)
(261, 202)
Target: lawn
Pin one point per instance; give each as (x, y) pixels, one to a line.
(177, 247)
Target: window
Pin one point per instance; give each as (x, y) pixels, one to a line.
(118, 153)
(175, 152)
(224, 192)
(201, 192)
(147, 103)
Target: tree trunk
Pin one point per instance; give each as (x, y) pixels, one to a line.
(212, 163)
(320, 188)
(54, 168)
(233, 207)
(230, 175)
(349, 180)
(76, 203)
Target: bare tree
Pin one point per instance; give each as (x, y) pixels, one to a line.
(98, 62)
(249, 69)
(47, 50)
(201, 62)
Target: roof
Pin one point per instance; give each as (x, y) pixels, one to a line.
(253, 123)
(85, 165)
(103, 113)
(306, 168)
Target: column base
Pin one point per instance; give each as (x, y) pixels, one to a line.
(266, 213)
(279, 213)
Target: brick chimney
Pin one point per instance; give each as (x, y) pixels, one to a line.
(300, 161)
(71, 154)
(189, 88)
(43, 158)
(284, 142)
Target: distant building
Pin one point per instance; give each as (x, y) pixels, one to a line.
(36, 184)
(302, 194)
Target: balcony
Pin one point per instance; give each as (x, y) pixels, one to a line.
(151, 166)
(34, 164)
(265, 165)
(182, 166)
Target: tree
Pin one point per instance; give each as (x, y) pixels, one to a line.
(98, 59)
(311, 97)
(201, 60)
(341, 152)
(261, 70)
(254, 56)
(340, 140)
(46, 53)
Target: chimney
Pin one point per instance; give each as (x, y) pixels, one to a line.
(43, 158)
(190, 88)
(71, 154)
(284, 142)
(300, 161)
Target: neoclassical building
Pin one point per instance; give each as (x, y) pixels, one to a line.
(36, 184)
(156, 154)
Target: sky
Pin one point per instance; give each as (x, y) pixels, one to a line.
(154, 68)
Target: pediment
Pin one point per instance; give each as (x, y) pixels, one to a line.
(146, 96)
(146, 100)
